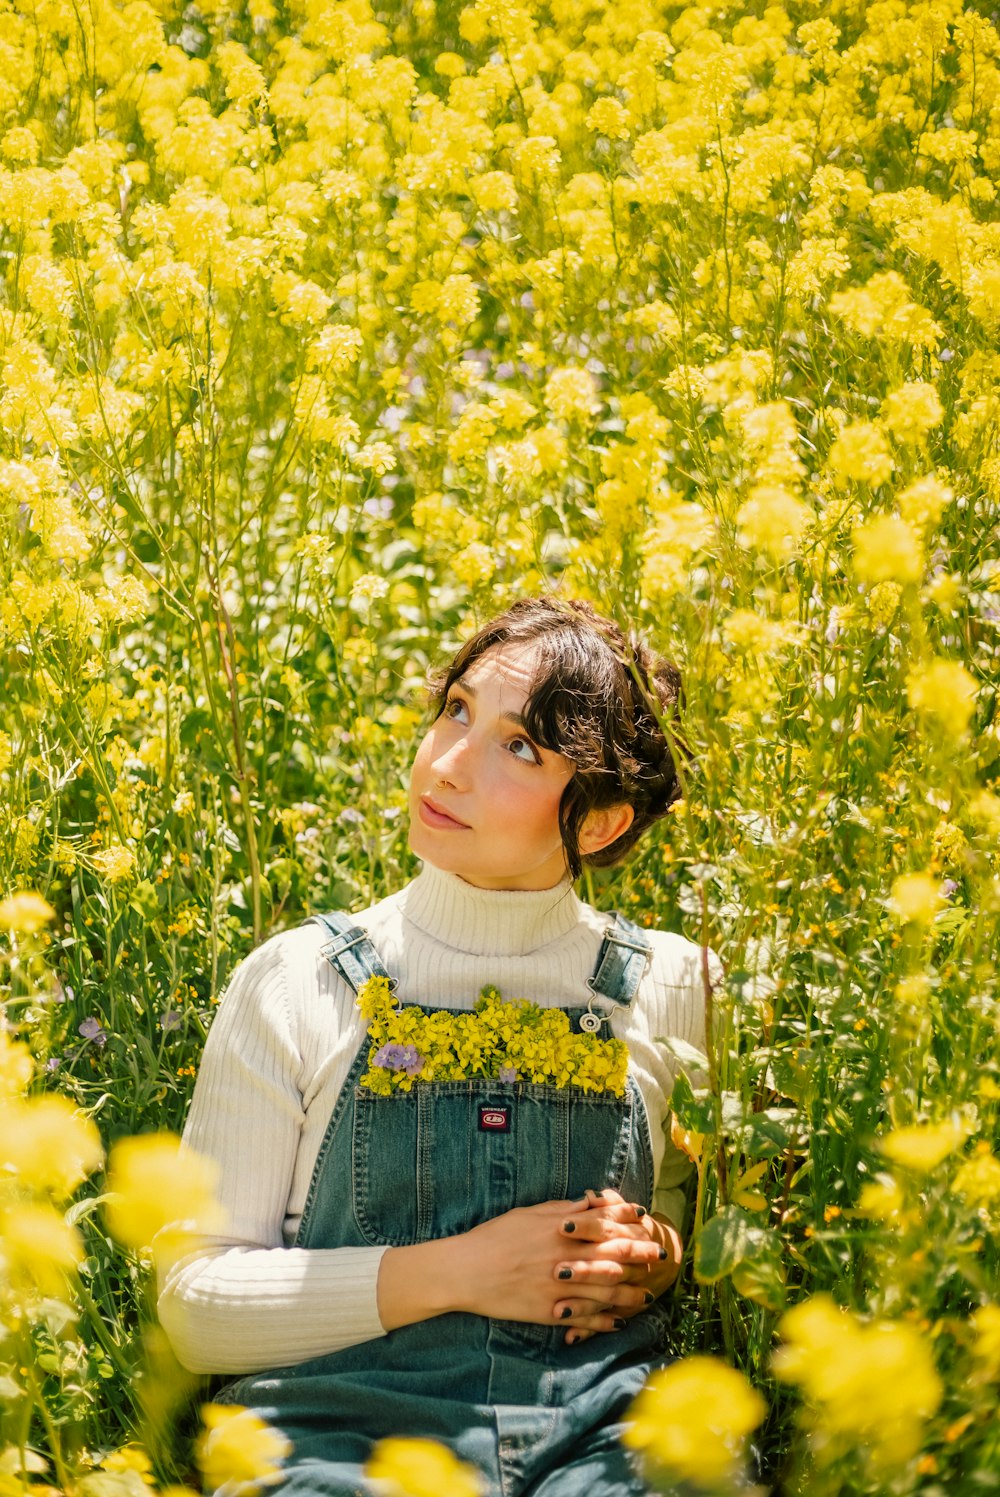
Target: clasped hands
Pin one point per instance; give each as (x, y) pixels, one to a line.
(631, 1258)
(589, 1264)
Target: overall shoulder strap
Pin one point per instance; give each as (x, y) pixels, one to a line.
(623, 958)
(350, 950)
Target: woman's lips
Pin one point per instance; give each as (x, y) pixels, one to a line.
(431, 815)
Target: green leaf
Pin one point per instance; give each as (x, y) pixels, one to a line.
(761, 1276)
(687, 1054)
(693, 1110)
(723, 1242)
(771, 1132)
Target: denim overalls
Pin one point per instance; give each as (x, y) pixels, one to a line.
(534, 1415)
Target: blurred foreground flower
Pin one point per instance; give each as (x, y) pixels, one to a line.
(922, 1146)
(691, 1420)
(869, 1385)
(47, 1145)
(38, 1249)
(237, 1453)
(161, 1194)
(421, 1468)
(25, 912)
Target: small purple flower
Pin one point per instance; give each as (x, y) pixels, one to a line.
(170, 1020)
(399, 1058)
(53, 1063)
(508, 1073)
(948, 887)
(91, 1030)
(350, 817)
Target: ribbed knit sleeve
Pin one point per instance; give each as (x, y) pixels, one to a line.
(679, 975)
(245, 1301)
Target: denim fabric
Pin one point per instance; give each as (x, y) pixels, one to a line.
(537, 1417)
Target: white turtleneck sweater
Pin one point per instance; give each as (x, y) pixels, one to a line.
(279, 1052)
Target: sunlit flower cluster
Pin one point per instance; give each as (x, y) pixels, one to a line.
(496, 1040)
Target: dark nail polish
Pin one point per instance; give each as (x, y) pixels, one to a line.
(649, 1298)
(571, 1338)
(565, 1273)
(571, 1227)
(619, 1325)
(663, 1254)
(565, 1312)
(640, 1211)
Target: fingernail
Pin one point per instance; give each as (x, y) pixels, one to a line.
(571, 1227)
(640, 1211)
(565, 1273)
(565, 1312)
(571, 1338)
(663, 1254)
(649, 1298)
(619, 1325)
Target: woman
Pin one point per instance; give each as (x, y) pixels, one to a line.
(474, 1260)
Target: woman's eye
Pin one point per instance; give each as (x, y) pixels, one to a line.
(453, 707)
(516, 745)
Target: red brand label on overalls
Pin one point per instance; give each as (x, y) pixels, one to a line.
(494, 1119)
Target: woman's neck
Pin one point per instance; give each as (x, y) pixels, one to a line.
(489, 922)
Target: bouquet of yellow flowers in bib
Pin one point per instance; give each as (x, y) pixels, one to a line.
(504, 1041)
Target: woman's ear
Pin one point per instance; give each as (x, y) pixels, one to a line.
(605, 826)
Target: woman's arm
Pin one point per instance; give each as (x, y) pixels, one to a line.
(245, 1302)
(593, 1261)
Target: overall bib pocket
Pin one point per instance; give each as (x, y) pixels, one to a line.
(445, 1156)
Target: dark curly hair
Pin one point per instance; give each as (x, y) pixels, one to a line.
(599, 697)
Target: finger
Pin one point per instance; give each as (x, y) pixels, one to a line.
(620, 1208)
(597, 1271)
(598, 1320)
(577, 1334)
(625, 1299)
(597, 1225)
(635, 1252)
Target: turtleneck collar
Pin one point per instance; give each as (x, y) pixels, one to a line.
(489, 922)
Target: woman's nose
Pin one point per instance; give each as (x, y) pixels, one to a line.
(453, 762)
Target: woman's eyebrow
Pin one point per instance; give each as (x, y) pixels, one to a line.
(514, 718)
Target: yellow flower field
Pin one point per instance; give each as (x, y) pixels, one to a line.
(328, 328)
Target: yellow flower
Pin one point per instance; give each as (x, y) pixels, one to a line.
(25, 912)
(916, 898)
(922, 503)
(130, 1458)
(571, 394)
(691, 1420)
(237, 1453)
(16, 1067)
(160, 1194)
(883, 603)
(474, 564)
(368, 589)
(608, 117)
(922, 1146)
(860, 453)
(115, 863)
(978, 1179)
(773, 520)
(48, 1145)
(887, 549)
(494, 192)
(421, 1468)
(912, 411)
(986, 1324)
(38, 1247)
(881, 1198)
(872, 1385)
(944, 694)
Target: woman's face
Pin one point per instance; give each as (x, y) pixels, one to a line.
(484, 799)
